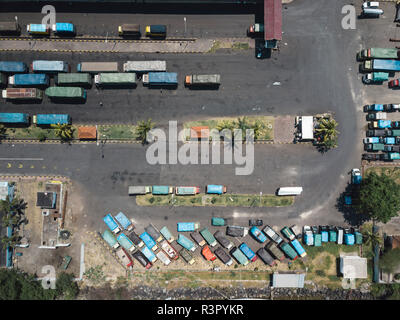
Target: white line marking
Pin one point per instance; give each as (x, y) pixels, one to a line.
(21, 159)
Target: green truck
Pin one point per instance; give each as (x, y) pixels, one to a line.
(208, 237)
(378, 53)
(218, 222)
(115, 79)
(317, 239)
(239, 256)
(393, 133)
(272, 248)
(288, 250)
(375, 77)
(162, 190)
(374, 147)
(73, 79)
(66, 93)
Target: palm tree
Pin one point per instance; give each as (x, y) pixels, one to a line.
(327, 130)
(63, 131)
(243, 125)
(2, 131)
(257, 127)
(143, 128)
(14, 206)
(371, 238)
(10, 241)
(225, 124)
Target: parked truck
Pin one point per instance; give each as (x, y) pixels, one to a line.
(129, 30)
(374, 147)
(127, 79)
(63, 28)
(149, 254)
(49, 66)
(219, 222)
(162, 190)
(272, 234)
(10, 28)
(162, 256)
(223, 256)
(236, 231)
(207, 253)
(239, 256)
(145, 66)
(196, 236)
(187, 226)
(139, 256)
(375, 77)
(124, 222)
(308, 236)
(377, 116)
(227, 244)
(207, 235)
(29, 79)
(275, 251)
(299, 248)
(38, 29)
(125, 258)
(135, 239)
(135, 190)
(22, 94)
(66, 93)
(266, 257)
(111, 223)
(215, 189)
(255, 30)
(148, 241)
(97, 67)
(378, 53)
(248, 252)
(13, 67)
(288, 250)
(167, 234)
(393, 133)
(380, 124)
(48, 119)
(186, 242)
(390, 156)
(73, 79)
(156, 31)
(381, 65)
(187, 256)
(160, 79)
(169, 250)
(110, 239)
(257, 234)
(14, 118)
(288, 233)
(200, 80)
(184, 191)
(153, 232)
(125, 242)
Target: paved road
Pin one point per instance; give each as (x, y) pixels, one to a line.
(316, 68)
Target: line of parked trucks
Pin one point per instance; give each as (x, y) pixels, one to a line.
(27, 86)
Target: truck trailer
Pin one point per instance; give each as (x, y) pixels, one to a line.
(162, 190)
(125, 242)
(160, 79)
(381, 65)
(167, 234)
(29, 79)
(49, 66)
(73, 79)
(22, 94)
(48, 119)
(145, 66)
(148, 241)
(185, 191)
(115, 79)
(135, 190)
(110, 239)
(111, 223)
(207, 235)
(66, 93)
(14, 118)
(236, 231)
(186, 243)
(97, 67)
(38, 29)
(10, 28)
(378, 53)
(215, 189)
(63, 28)
(200, 80)
(129, 30)
(375, 77)
(13, 67)
(187, 226)
(124, 222)
(153, 232)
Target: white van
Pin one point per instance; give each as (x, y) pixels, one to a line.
(339, 235)
(289, 191)
(372, 12)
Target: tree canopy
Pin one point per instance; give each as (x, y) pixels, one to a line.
(390, 260)
(379, 197)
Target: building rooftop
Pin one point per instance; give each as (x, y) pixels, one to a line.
(87, 132)
(353, 267)
(201, 132)
(288, 280)
(46, 200)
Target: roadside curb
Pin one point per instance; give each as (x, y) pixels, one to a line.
(33, 177)
(96, 51)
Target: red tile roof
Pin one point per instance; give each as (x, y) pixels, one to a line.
(87, 132)
(273, 19)
(196, 132)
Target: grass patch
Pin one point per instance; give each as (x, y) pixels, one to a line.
(117, 132)
(393, 172)
(225, 200)
(240, 46)
(33, 132)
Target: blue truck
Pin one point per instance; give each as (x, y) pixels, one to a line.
(257, 234)
(124, 222)
(48, 119)
(149, 254)
(160, 79)
(29, 79)
(381, 65)
(149, 241)
(125, 242)
(248, 252)
(167, 234)
(36, 29)
(110, 222)
(20, 118)
(390, 140)
(50, 66)
(215, 189)
(187, 226)
(63, 28)
(110, 239)
(13, 67)
(186, 242)
(373, 107)
(299, 248)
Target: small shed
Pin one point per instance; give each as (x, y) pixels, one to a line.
(353, 267)
(87, 133)
(6, 190)
(46, 200)
(288, 280)
(201, 132)
(307, 127)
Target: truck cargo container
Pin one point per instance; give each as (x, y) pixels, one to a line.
(187, 226)
(275, 251)
(167, 234)
(223, 256)
(378, 53)
(186, 242)
(391, 107)
(162, 256)
(215, 189)
(184, 191)
(266, 257)
(16, 118)
(187, 256)
(160, 79)
(390, 140)
(145, 66)
(374, 147)
(288, 233)
(139, 256)
(125, 258)
(272, 234)
(129, 30)
(124, 222)
(149, 254)
(373, 107)
(219, 222)
(207, 253)
(391, 148)
(358, 237)
(289, 191)
(248, 252)
(49, 66)
(10, 28)
(48, 119)
(135, 239)
(206, 80)
(349, 239)
(236, 231)
(66, 93)
(97, 67)
(227, 244)
(375, 77)
(111, 223)
(324, 233)
(156, 31)
(317, 239)
(377, 133)
(13, 67)
(38, 29)
(257, 234)
(22, 94)
(390, 156)
(299, 248)
(148, 241)
(125, 242)
(169, 250)
(288, 250)
(332, 234)
(162, 190)
(135, 190)
(376, 116)
(73, 79)
(239, 256)
(127, 79)
(308, 236)
(63, 28)
(381, 65)
(207, 235)
(110, 239)
(380, 124)
(153, 232)
(29, 79)
(198, 238)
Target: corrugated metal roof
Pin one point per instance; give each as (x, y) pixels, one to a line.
(288, 280)
(273, 19)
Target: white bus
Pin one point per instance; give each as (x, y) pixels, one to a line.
(289, 191)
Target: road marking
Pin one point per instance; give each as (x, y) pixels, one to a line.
(9, 165)
(44, 167)
(21, 159)
(32, 166)
(20, 166)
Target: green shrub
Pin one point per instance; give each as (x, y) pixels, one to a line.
(320, 273)
(41, 136)
(151, 200)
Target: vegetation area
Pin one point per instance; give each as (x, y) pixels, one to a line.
(15, 285)
(116, 132)
(386, 291)
(63, 132)
(390, 260)
(326, 134)
(263, 126)
(225, 200)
